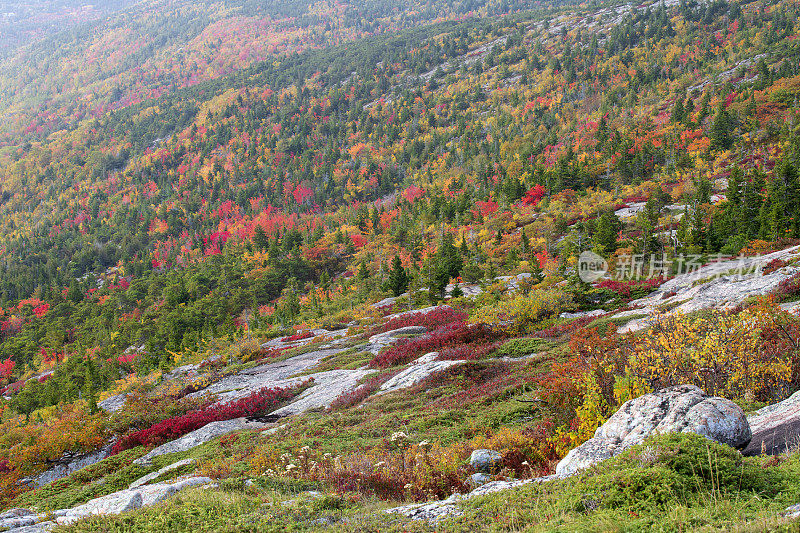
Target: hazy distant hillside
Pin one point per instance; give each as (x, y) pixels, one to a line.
(24, 22)
(155, 46)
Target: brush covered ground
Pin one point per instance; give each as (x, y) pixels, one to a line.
(242, 206)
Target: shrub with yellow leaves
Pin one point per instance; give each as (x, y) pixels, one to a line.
(722, 353)
(519, 314)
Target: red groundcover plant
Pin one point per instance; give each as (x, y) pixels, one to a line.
(431, 320)
(298, 336)
(455, 334)
(258, 403)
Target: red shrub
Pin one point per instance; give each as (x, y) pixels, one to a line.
(298, 336)
(788, 287)
(635, 199)
(626, 288)
(533, 196)
(773, 265)
(467, 351)
(432, 320)
(456, 333)
(258, 403)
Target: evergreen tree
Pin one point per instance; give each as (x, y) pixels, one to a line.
(721, 127)
(398, 277)
(688, 110)
(363, 271)
(678, 111)
(605, 238)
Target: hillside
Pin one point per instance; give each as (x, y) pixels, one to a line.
(307, 257)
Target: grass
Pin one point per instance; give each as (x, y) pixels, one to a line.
(350, 359)
(602, 323)
(677, 482)
(109, 475)
(523, 347)
(671, 483)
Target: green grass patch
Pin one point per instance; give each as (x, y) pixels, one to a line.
(109, 475)
(350, 359)
(523, 346)
(677, 482)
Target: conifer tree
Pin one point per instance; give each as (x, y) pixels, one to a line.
(398, 277)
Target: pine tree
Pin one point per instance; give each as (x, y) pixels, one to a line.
(363, 271)
(721, 137)
(605, 238)
(260, 239)
(398, 277)
(678, 111)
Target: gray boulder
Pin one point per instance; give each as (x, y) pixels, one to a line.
(485, 461)
(775, 427)
(200, 436)
(681, 409)
(479, 478)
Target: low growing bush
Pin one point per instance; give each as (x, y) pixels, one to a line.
(258, 403)
(407, 350)
(521, 313)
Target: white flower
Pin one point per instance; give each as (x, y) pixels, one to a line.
(290, 467)
(380, 464)
(399, 435)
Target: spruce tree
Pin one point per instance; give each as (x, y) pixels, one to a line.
(608, 227)
(721, 127)
(398, 277)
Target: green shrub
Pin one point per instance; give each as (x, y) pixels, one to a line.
(522, 347)
(673, 468)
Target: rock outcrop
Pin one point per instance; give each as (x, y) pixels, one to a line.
(127, 500)
(681, 409)
(144, 480)
(112, 404)
(380, 341)
(27, 521)
(775, 428)
(69, 464)
(439, 510)
(417, 371)
(720, 285)
(200, 436)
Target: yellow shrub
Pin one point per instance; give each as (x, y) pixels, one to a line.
(520, 313)
(720, 352)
